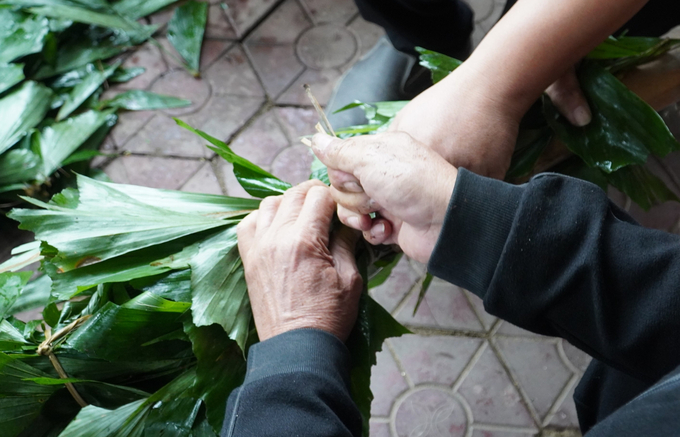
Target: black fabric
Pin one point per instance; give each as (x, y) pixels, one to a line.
(297, 384)
(446, 25)
(572, 265)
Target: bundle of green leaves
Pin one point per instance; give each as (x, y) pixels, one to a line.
(154, 280)
(53, 72)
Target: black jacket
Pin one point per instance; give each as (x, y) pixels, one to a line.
(553, 256)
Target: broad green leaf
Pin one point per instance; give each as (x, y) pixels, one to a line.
(10, 75)
(11, 339)
(19, 166)
(35, 295)
(220, 369)
(81, 15)
(140, 100)
(256, 181)
(218, 287)
(20, 401)
(379, 116)
(530, 145)
(80, 52)
(106, 223)
(99, 422)
(643, 187)
(82, 155)
(139, 8)
(122, 75)
(84, 89)
(20, 34)
(22, 110)
(119, 333)
(385, 271)
(11, 286)
(373, 326)
(21, 260)
(186, 29)
(60, 140)
(439, 65)
(612, 47)
(174, 286)
(624, 129)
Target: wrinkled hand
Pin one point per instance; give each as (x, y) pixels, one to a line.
(408, 184)
(298, 275)
(567, 96)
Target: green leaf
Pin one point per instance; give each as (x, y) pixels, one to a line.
(373, 326)
(624, 129)
(60, 140)
(221, 368)
(385, 271)
(139, 8)
(424, 286)
(256, 181)
(84, 89)
(35, 295)
(20, 34)
(100, 422)
(19, 166)
(22, 110)
(379, 116)
(81, 15)
(82, 155)
(140, 100)
(11, 339)
(119, 333)
(10, 75)
(575, 167)
(20, 401)
(530, 145)
(218, 287)
(174, 286)
(612, 47)
(186, 29)
(439, 65)
(122, 75)
(106, 223)
(643, 187)
(11, 286)
(319, 171)
(51, 314)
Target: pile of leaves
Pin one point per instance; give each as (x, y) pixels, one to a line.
(53, 71)
(145, 302)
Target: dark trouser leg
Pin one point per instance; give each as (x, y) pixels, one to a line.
(441, 25)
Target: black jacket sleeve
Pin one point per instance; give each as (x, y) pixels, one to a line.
(556, 257)
(297, 384)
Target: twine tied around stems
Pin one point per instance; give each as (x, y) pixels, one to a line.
(46, 348)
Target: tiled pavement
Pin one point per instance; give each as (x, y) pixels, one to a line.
(464, 373)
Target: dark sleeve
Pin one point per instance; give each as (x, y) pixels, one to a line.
(556, 257)
(297, 383)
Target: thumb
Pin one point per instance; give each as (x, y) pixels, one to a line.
(336, 153)
(567, 96)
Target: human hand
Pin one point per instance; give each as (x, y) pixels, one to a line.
(298, 275)
(407, 183)
(566, 95)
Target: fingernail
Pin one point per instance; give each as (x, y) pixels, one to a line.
(352, 187)
(321, 141)
(353, 222)
(582, 116)
(378, 230)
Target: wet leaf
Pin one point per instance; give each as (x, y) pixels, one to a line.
(140, 100)
(84, 89)
(10, 75)
(186, 29)
(624, 129)
(20, 34)
(21, 110)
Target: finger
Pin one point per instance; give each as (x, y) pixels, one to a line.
(342, 247)
(345, 155)
(292, 201)
(317, 214)
(245, 232)
(380, 232)
(344, 181)
(268, 209)
(360, 222)
(567, 96)
(358, 203)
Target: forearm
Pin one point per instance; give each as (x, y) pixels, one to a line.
(536, 42)
(556, 257)
(297, 384)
